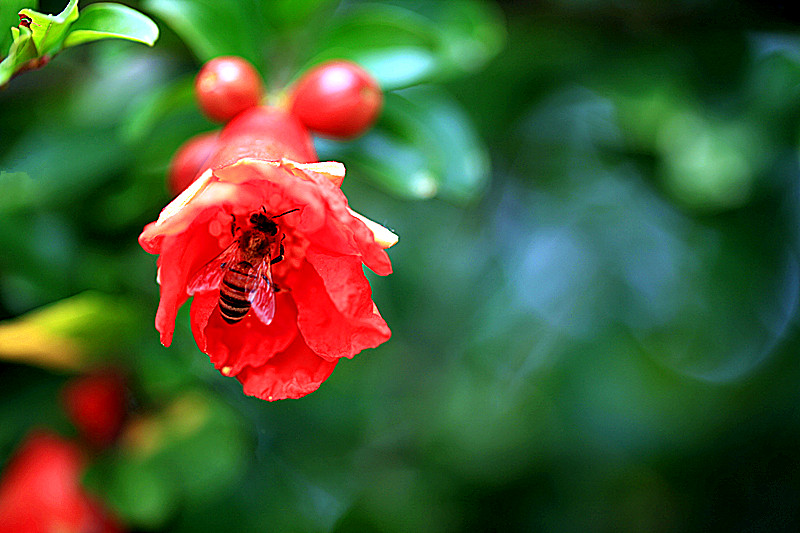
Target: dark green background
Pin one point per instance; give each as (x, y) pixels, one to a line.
(599, 333)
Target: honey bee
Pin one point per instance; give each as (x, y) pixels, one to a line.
(243, 271)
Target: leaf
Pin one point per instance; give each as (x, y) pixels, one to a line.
(66, 334)
(9, 17)
(470, 33)
(464, 158)
(61, 171)
(48, 34)
(423, 146)
(212, 28)
(168, 100)
(17, 191)
(286, 13)
(187, 453)
(21, 52)
(396, 45)
(49, 31)
(402, 47)
(111, 21)
(138, 492)
(388, 162)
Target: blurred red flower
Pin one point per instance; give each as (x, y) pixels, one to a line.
(40, 490)
(96, 404)
(295, 250)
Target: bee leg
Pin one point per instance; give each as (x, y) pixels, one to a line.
(278, 259)
(234, 227)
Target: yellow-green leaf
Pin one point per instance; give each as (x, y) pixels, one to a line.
(111, 21)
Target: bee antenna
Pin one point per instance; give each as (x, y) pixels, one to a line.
(287, 212)
(264, 209)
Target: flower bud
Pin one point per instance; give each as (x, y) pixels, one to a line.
(41, 490)
(226, 86)
(337, 99)
(96, 404)
(189, 159)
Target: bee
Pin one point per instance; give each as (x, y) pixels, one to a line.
(243, 270)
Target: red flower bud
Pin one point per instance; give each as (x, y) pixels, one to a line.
(40, 491)
(226, 86)
(338, 99)
(96, 404)
(273, 256)
(189, 159)
(264, 133)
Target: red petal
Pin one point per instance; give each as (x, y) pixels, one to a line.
(250, 342)
(187, 244)
(293, 373)
(150, 240)
(344, 280)
(327, 331)
(181, 257)
(343, 233)
(326, 219)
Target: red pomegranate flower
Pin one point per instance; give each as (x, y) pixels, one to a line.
(96, 405)
(41, 492)
(273, 256)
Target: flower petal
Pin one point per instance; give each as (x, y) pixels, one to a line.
(293, 373)
(182, 255)
(326, 217)
(328, 331)
(232, 347)
(383, 236)
(330, 170)
(344, 281)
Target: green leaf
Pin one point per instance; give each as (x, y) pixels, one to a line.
(396, 45)
(137, 491)
(49, 31)
(456, 145)
(22, 50)
(424, 145)
(390, 163)
(170, 99)
(287, 13)
(49, 34)
(69, 333)
(17, 191)
(212, 28)
(111, 21)
(188, 453)
(9, 17)
(402, 47)
(470, 33)
(61, 171)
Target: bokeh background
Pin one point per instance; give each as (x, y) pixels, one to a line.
(595, 298)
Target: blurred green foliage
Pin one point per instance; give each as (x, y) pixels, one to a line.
(594, 312)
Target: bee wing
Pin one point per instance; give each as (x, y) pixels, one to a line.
(210, 276)
(262, 297)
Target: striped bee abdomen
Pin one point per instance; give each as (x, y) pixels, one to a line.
(238, 282)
